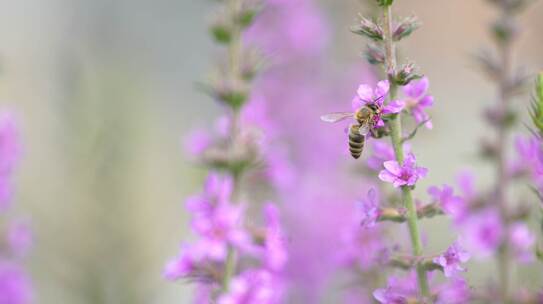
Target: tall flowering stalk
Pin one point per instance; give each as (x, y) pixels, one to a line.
(395, 125)
(15, 286)
(233, 260)
(501, 117)
(397, 165)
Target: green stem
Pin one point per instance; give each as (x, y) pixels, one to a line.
(395, 125)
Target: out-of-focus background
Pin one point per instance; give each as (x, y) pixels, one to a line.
(104, 92)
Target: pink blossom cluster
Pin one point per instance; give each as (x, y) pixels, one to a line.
(219, 225)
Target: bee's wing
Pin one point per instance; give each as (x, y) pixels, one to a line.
(364, 129)
(335, 117)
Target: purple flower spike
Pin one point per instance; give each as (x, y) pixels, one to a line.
(402, 175)
(451, 259)
(417, 100)
(369, 209)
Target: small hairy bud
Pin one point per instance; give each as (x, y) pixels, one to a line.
(221, 32)
(489, 64)
(251, 65)
(368, 28)
(406, 74)
(246, 15)
(405, 27)
(505, 30)
(510, 5)
(375, 54)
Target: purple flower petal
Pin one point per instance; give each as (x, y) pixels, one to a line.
(415, 89)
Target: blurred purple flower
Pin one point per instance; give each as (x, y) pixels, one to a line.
(466, 184)
(482, 232)
(389, 296)
(522, 241)
(417, 100)
(298, 30)
(454, 291)
(185, 264)
(197, 142)
(369, 209)
(10, 148)
(452, 259)
(276, 253)
(15, 286)
(19, 238)
(402, 175)
(451, 204)
(399, 290)
(381, 152)
(253, 286)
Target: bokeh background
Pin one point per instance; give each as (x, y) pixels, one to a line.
(104, 92)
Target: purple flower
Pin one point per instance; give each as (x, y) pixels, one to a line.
(451, 259)
(20, 238)
(369, 209)
(185, 264)
(10, 151)
(482, 232)
(454, 291)
(197, 142)
(451, 204)
(466, 183)
(389, 296)
(365, 95)
(253, 286)
(522, 241)
(15, 286)
(10, 148)
(417, 100)
(381, 152)
(402, 175)
(399, 290)
(276, 253)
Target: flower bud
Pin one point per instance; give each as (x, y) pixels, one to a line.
(405, 27)
(222, 32)
(251, 64)
(510, 5)
(539, 253)
(505, 30)
(406, 74)
(369, 29)
(246, 15)
(232, 93)
(489, 64)
(374, 54)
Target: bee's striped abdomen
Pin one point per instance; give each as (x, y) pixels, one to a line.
(356, 141)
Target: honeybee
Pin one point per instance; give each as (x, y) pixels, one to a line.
(357, 132)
